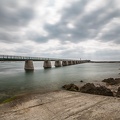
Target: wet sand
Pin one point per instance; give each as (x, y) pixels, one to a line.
(62, 105)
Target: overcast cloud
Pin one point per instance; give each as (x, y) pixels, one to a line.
(64, 29)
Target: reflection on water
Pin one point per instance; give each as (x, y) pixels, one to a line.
(14, 80)
(29, 72)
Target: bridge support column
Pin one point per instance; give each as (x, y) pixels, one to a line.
(64, 63)
(74, 62)
(70, 62)
(58, 63)
(29, 65)
(47, 64)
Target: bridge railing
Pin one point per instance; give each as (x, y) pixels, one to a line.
(23, 58)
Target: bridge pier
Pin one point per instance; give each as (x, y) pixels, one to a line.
(29, 65)
(74, 62)
(64, 63)
(47, 64)
(70, 63)
(57, 63)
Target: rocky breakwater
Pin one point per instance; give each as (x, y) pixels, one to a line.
(71, 87)
(115, 84)
(112, 81)
(91, 88)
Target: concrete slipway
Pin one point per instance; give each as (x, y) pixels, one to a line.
(62, 105)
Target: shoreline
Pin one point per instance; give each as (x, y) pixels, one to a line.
(63, 104)
(79, 84)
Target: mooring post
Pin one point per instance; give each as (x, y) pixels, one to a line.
(47, 64)
(29, 65)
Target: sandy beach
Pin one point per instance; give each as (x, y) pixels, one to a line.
(62, 105)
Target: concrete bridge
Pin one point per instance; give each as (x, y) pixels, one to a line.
(47, 61)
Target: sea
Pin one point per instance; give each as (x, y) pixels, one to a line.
(14, 80)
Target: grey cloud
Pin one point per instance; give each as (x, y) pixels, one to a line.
(34, 36)
(75, 53)
(60, 30)
(12, 18)
(8, 37)
(24, 51)
(86, 28)
(76, 8)
(107, 55)
(112, 34)
(64, 54)
(87, 25)
(11, 37)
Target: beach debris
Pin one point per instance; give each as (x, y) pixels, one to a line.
(71, 87)
(112, 81)
(92, 89)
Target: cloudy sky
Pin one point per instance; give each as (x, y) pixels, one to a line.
(87, 29)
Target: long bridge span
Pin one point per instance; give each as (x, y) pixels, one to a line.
(47, 61)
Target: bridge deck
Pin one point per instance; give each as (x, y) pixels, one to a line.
(24, 58)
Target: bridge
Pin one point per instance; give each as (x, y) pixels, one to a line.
(47, 61)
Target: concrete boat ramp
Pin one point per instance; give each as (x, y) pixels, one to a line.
(62, 105)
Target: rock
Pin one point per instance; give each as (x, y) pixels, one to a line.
(102, 90)
(71, 87)
(92, 89)
(81, 81)
(117, 80)
(88, 88)
(118, 92)
(110, 81)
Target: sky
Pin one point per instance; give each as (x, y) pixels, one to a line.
(86, 29)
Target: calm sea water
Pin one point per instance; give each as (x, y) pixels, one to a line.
(14, 80)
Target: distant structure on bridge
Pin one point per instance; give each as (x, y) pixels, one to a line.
(47, 61)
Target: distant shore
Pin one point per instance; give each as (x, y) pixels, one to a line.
(104, 61)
